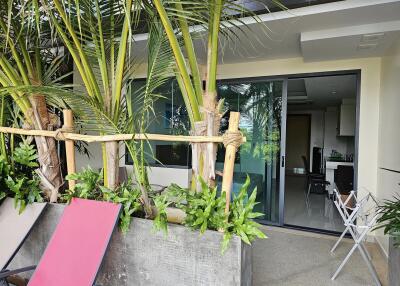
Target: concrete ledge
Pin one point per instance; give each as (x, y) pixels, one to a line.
(145, 257)
(394, 263)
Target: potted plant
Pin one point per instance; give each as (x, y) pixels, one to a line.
(155, 252)
(390, 222)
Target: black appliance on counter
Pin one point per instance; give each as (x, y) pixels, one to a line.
(317, 160)
(344, 179)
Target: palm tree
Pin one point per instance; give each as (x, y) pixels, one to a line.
(99, 36)
(215, 18)
(26, 59)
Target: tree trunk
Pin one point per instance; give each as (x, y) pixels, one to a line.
(49, 163)
(204, 155)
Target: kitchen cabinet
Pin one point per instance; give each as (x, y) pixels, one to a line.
(347, 120)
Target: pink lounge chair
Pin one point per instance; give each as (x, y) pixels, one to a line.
(74, 253)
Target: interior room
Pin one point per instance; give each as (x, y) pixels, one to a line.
(320, 149)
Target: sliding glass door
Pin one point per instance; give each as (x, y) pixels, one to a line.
(262, 105)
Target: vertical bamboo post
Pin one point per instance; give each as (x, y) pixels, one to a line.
(229, 163)
(112, 150)
(69, 146)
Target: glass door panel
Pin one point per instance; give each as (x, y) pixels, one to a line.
(260, 105)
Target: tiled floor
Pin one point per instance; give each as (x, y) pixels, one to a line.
(291, 257)
(320, 213)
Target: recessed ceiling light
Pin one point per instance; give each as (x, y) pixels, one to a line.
(367, 38)
(367, 46)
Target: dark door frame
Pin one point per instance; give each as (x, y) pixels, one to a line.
(285, 78)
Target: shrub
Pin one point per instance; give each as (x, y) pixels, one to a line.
(206, 210)
(90, 186)
(18, 177)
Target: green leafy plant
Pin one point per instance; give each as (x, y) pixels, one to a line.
(18, 177)
(26, 155)
(390, 219)
(206, 210)
(87, 186)
(26, 191)
(160, 220)
(90, 186)
(241, 215)
(129, 197)
(4, 172)
(5, 169)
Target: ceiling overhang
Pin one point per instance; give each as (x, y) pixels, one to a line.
(349, 42)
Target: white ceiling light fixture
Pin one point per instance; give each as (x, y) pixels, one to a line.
(375, 37)
(369, 46)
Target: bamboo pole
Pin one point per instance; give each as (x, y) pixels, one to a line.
(229, 164)
(69, 146)
(112, 150)
(174, 215)
(62, 135)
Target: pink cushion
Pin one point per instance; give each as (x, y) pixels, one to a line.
(77, 247)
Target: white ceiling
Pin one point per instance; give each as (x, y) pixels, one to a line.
(321, 32)
(321, 92)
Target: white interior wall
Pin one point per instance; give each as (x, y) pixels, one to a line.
(317, 129)
(342, 144)
(389, 132)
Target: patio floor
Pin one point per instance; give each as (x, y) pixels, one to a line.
(291, 257)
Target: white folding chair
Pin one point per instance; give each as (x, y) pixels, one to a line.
(358, 233)
(349, 210)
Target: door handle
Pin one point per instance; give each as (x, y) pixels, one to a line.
(283, 161)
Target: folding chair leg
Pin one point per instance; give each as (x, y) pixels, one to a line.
(364, 254)
(340, 239)
(308, 195)
(371, 268)
(366, 251)
(347, 229)
(344, 262)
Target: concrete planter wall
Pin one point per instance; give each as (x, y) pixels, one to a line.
(145, 257)
(394, 263)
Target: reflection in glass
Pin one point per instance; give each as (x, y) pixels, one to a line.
(168, 116)
(260, 105)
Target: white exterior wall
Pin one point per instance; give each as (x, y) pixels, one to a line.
(389, 131)
(369, 111)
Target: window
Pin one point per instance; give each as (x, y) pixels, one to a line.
(170, 118)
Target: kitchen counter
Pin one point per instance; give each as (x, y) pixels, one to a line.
(334, 164)
(330, 167)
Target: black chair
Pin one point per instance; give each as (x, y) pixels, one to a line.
(344, 177)
(315, 181)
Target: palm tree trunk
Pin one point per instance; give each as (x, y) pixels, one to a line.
(204, 155)
(49, 164)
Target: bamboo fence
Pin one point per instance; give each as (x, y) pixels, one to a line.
(232, 139)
